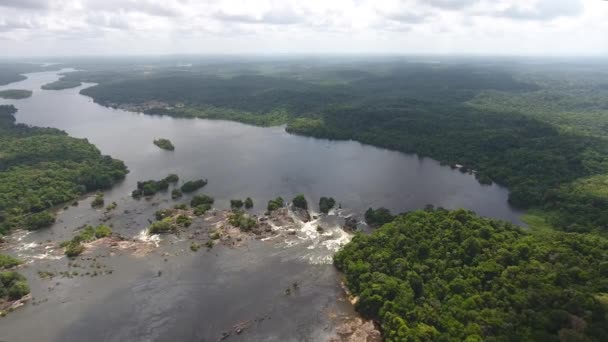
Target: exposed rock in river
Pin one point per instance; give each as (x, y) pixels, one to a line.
(357, 330)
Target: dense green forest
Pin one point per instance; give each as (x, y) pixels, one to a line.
(438, 275)
(44, 167)
(536, 130)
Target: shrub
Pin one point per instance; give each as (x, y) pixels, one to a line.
(236, 204)
(98, 201)
(201, 200)
(200, 210)
(275, 204)
(176, 193)
(74, 249)
(183, 221)
(102, 231)
(248, 203)
(192, 186)
(7, 261)
(163, 226)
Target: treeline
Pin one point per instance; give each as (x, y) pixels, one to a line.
(44, 167)
(440, 275)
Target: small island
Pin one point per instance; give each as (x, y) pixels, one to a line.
(61, 84)
(15, 94)
(165, 144)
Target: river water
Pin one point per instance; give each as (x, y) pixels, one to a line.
(201, 295)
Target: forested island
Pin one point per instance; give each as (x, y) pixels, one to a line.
(41, 168)
(15, 94)
(61, 84)
(165, 144)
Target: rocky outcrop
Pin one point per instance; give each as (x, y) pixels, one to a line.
(357, 330)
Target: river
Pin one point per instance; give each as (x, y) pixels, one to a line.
(200, 295)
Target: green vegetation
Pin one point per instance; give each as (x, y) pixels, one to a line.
(275, 204)
(163, 226)
(176, 193)
(248, 203)
(201, 209)
(192, 186)
(236, 204)
(242, 221)
(169, 221)
(61, 84)
(162, 213)
(98, 201)
(41, 168)
(13, 286)
(15, 94)
(378, 217)
(199, 200)
(102, 231)
(451, 275)
(75, 247)
(300, 202)
(194, 246)
(7, 261)
(183, 220)
(111, 206)
(326, 204)
(39, 220)
(151, 187)
(165, 144)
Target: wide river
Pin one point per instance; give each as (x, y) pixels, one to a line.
(198, 297)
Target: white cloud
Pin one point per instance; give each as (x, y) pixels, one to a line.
(330, 26)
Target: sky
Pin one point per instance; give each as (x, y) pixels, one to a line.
(463, 27)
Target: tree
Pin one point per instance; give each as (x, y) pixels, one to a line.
(236, 204)
(378, 217)
(326, 204)
(300, 202)
(275, 204)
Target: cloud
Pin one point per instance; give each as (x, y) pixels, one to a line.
(270, 17)
(149, 7)
(451, 4)
(10, 25)
(542, 10)
(26, 4)
(266, 26)
(107, 20)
